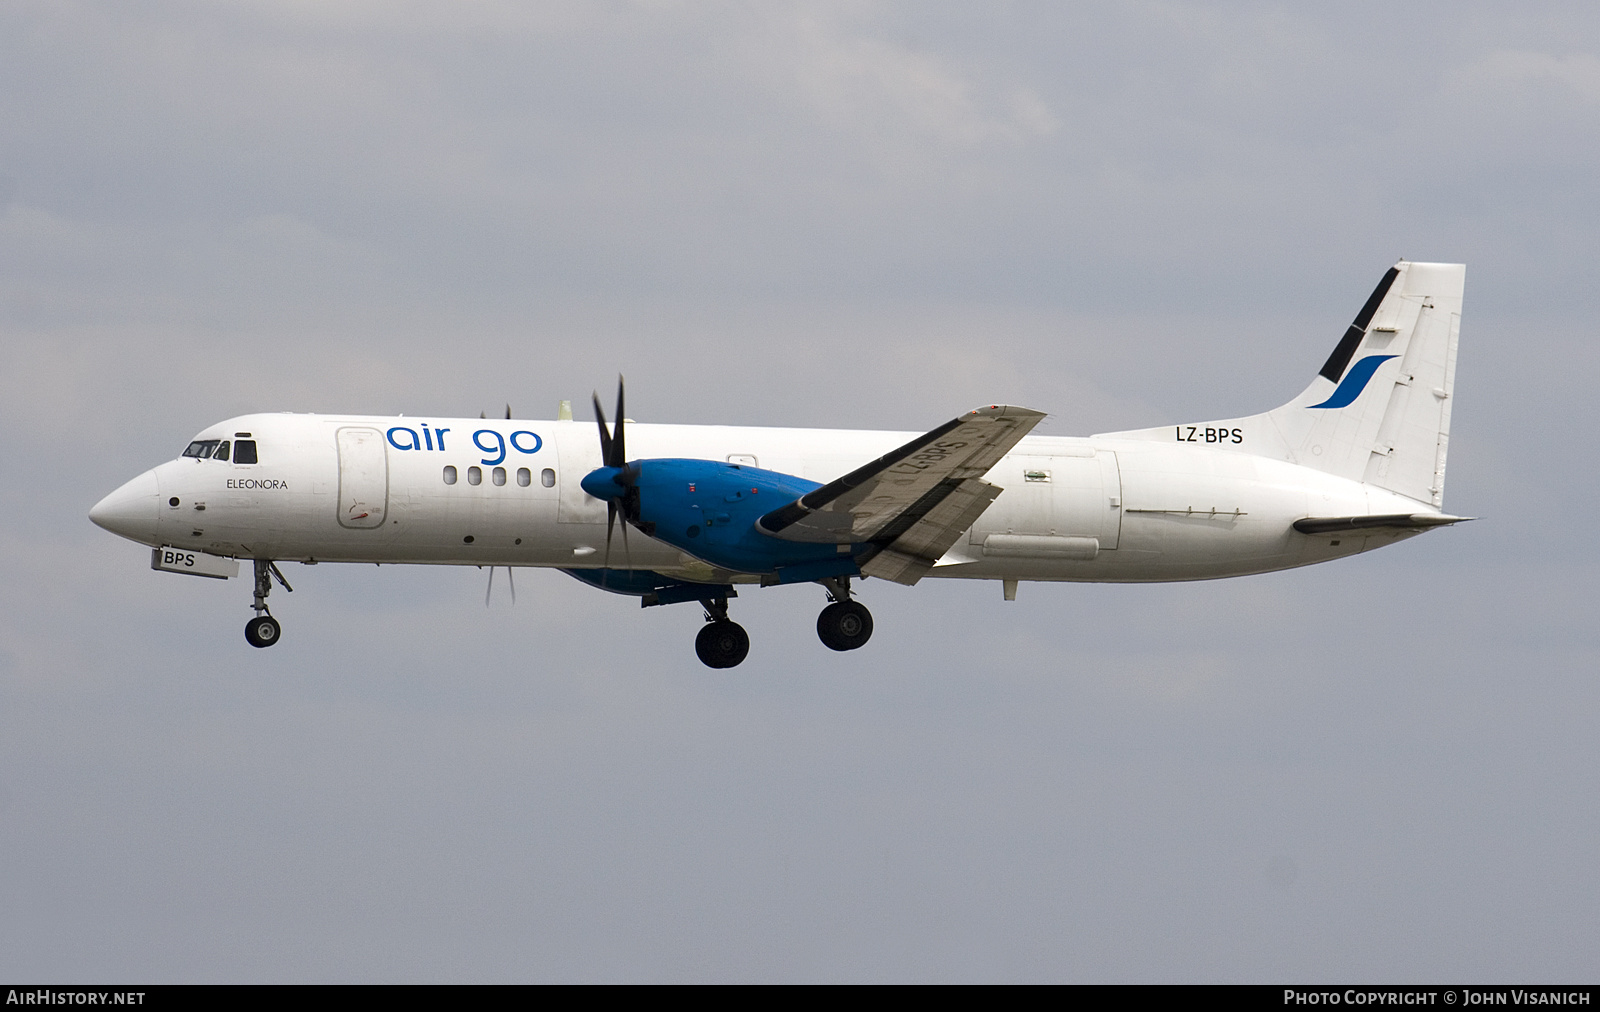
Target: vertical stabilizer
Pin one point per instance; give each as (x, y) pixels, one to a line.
(1379, 409)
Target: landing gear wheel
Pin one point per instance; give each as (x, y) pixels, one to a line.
(722, 644)
(262, 631)
(844, 625)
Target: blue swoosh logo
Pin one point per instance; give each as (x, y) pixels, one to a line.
(1354, 382)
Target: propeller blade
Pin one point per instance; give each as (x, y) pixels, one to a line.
(512, 580)
(618, 445)
(490, 591)
(627, 556)
(611, 519)
(605, 435)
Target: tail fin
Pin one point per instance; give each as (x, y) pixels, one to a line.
(1379, 409)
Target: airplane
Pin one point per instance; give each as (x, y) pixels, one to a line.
(1354, 463)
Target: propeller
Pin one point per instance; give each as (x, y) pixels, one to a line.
(623, 496)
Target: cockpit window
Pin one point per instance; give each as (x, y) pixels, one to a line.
(217, 449)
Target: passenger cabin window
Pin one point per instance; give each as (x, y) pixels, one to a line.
(202, 448)
(524, 478)
(547, 478)
(449, 474)
(498, 475)
(474, 475)
(244, 451)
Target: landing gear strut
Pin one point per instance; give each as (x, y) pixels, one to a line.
(722, 643)
(263, 630)
(844, 624)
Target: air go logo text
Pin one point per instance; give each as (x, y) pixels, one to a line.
(489, 441)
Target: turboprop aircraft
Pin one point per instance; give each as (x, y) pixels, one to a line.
(1355, 462)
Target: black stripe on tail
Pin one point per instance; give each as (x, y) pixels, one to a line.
(1334, 368)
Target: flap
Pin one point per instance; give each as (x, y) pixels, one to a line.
(919, 536)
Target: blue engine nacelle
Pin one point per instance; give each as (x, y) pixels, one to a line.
(651, 587)
(709, 509)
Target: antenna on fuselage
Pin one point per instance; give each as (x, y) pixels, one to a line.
(509, 580)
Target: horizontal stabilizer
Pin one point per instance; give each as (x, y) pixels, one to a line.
(1409, 521)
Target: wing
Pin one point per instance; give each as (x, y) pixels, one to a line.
(911, 504)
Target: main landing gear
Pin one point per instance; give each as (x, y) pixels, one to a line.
(844, 624)
(263, 630)
(722, 643)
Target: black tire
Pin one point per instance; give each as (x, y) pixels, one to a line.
(722, 644)
(262, 631)
(844, 625)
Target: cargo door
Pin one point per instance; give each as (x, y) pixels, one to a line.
(1078, 496)
(363, 477)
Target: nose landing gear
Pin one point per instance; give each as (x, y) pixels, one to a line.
(263, 630)
(722, 643)
(844, 624)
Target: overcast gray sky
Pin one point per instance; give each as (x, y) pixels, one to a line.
(871, 214)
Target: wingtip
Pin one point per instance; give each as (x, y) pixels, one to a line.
(1006, 411)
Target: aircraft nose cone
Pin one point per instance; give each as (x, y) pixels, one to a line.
(131, 510)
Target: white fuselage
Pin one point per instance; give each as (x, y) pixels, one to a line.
(373, 489)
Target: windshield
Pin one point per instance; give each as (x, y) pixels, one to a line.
(213, 448)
